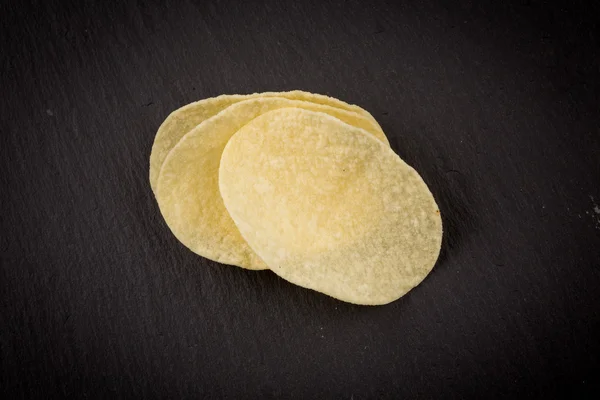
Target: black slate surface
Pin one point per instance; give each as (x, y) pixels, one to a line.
(496, 105)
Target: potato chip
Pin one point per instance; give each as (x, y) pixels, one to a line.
(184, 119)
(328, 207)
(188, 191)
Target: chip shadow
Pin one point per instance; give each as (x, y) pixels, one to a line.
(455, 199)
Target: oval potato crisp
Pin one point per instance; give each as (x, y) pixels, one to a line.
(184, 119)
(187, 190)
(330, 208)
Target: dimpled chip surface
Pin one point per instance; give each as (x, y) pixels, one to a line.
(329, 207)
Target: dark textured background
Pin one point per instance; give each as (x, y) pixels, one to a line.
(497, 106)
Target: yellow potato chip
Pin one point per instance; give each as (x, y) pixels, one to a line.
(328, 207)
(184, 119)
(188, 191)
